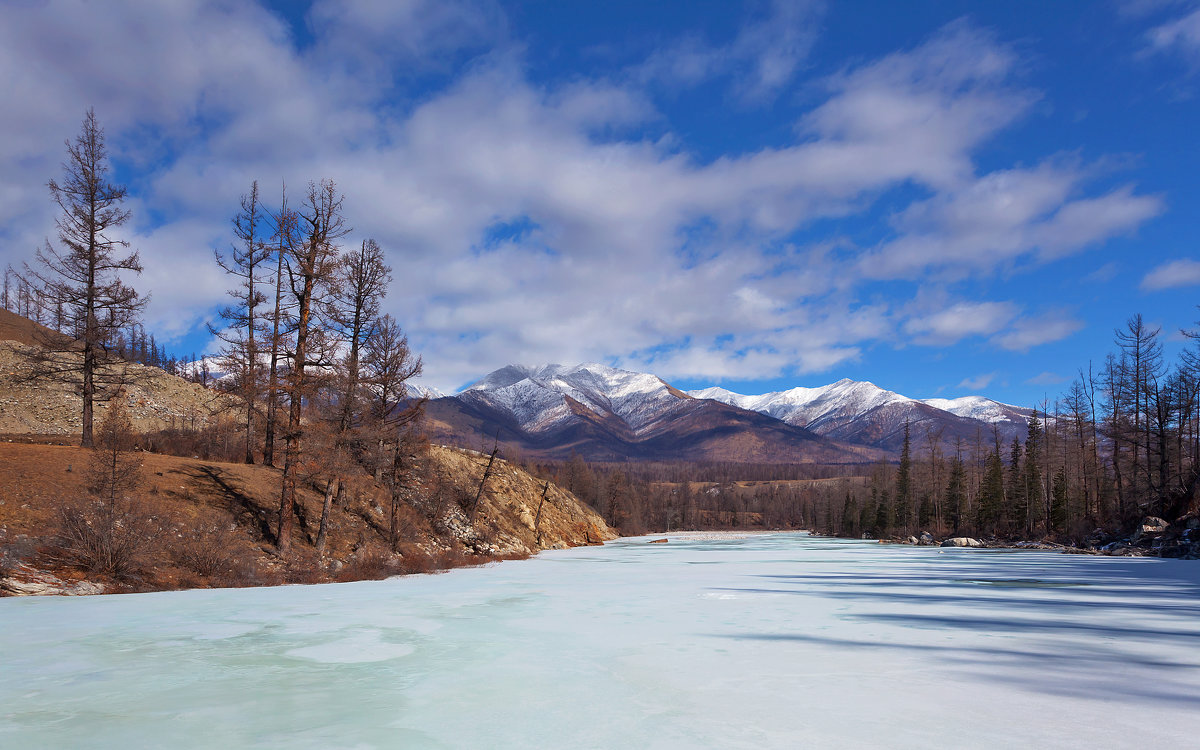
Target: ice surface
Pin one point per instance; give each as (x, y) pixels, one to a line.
(767, 641)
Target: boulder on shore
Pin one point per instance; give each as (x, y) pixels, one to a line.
(962, 541)
(1149, 525)
(925, 538)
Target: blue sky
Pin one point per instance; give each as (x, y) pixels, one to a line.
(943, 197)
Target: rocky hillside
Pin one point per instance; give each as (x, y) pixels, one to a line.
(208, 523)
(155, 399)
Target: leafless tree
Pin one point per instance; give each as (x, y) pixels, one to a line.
(244, 324)
(109, 534)
(312, 268)
(388, 365)
(286, 232)
(364, 281)
(84, 275)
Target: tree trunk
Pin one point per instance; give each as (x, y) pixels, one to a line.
(324, 530)
(273, 378)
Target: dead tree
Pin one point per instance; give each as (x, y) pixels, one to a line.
(487, 472)
(537, 520)
(323, 532)
(388, 364)
(83, 275)
(312, 265)
(243, 327)
(363, 285)
(285, 235)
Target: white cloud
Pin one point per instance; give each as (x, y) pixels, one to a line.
(1027, 333)
(202, 98)
(1002, 217)
(1180, 35)
(1175, 273)
(979, 382)
(959, 321)
(760, 60)
(1046, 378)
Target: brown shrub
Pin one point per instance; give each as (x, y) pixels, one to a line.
(372, 565)
(212, 551)
(109, 538)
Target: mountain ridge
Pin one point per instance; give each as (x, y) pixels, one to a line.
(609, 413)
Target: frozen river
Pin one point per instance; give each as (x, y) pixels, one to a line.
(777, 641)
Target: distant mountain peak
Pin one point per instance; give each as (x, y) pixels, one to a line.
(555, 406)
(861, 412)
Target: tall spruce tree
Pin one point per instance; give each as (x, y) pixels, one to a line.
(904, 493)
(991, 494)
(956, 493)
(1032, 475)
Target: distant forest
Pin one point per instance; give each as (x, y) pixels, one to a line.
(1122, 443)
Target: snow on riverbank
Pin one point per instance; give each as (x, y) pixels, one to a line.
(767, 641)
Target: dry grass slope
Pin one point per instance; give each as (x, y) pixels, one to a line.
(214, 521)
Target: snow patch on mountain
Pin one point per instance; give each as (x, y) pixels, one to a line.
(833, 409)
(842, 401)
(979, 408)
(537, 396)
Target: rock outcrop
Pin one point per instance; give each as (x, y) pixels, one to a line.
(962, 541)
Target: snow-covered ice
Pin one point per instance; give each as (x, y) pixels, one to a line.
(762, 641)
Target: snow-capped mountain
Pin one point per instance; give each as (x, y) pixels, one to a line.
(212, 368)
(862, 412)
(605, 413)
(541, 398)
(425, 391)
(980, 408)
(823, 408)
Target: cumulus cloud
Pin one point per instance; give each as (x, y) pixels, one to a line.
(630, 251)
(1175, 273)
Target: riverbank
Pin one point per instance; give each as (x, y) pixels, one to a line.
(196, 523)
(1152, 537)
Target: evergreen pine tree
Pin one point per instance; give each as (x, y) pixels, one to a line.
(1059, 511)
(1033, 475)
(904, 514)
(1016, 506)
(955, 493)
(991, 494)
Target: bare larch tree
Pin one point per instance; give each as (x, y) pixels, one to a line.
(285, 234)
(244, 323)
(364, 281)
(312, 267)
(83, 275)
(388, 365)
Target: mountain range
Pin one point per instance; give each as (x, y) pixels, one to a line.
(604, 413)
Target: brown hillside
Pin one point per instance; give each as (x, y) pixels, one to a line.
(155, 399)
(702, 430)
(230, 508)
(14, 327)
